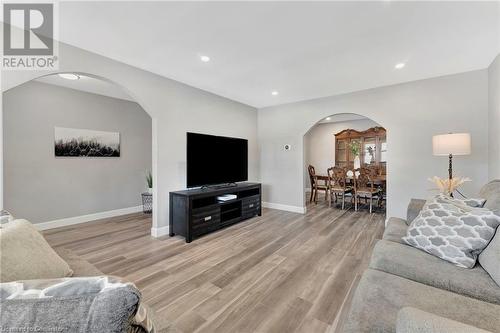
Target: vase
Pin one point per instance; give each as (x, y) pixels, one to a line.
(357, 163)
(150, 190)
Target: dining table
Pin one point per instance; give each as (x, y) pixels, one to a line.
(376, 179)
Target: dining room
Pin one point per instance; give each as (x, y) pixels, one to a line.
(346, 164)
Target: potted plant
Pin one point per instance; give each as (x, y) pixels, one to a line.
(149, 181)
(355, 148)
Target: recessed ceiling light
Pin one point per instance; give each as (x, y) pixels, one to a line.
(274, 93)
(69, 76)
(205, 58)
(400, 65)
(328, 118)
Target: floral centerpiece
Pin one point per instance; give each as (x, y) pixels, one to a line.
(448, 186)
(355, 148)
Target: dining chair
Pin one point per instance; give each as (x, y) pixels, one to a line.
(372, 170)
(364, 186)
(315, 185)
(338, 184)
(383, 195)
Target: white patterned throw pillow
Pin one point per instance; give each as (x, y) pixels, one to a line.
(451, 230)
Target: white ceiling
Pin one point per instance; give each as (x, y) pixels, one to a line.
(303, 50)
(88, 84)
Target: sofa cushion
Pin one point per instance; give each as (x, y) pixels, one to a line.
(472, 202)
(490, 258)
(414, 208)
(379, 297)
(410, 263)
(411, 320)
(452, 231)
(78, 265)
(491, 192)
(395, 230)
(25, 254)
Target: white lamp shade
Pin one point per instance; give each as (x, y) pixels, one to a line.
(455, 144)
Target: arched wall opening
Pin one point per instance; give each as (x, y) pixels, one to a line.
(319, 147)
(113, 91)
(175, 108)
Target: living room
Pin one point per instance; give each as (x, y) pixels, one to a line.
(233, 241)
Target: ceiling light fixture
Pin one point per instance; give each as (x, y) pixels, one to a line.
(205, 58)
(275, 93)
(69, 76)
(400, 65)
(328, 118)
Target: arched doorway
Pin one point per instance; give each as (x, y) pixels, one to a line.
(89, 85)
(350, 141)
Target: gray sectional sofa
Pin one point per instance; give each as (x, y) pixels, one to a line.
(407, 290)
(71, 304)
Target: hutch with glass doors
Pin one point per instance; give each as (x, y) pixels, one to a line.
(373, 146)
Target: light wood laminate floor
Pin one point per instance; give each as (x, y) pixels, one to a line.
(281, 272)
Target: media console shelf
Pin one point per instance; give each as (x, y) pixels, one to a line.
(198, 212)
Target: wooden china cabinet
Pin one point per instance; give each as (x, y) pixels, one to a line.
(373, 147)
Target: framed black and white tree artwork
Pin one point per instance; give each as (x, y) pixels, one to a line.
(74, 142)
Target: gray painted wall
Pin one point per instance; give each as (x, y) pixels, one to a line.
(411, 113)
(319, 144)
(494, 119)
(175, 108)
(41, 187)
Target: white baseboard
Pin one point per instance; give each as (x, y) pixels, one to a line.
(295, 209)
(87, 218)
(161, 231)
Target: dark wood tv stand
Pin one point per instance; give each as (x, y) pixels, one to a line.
(197, 212)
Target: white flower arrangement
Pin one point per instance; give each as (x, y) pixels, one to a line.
(448, 186)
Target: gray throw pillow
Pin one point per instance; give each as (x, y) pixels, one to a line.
(451, 230)
(490, 258)
(101, 304)
(26, 255)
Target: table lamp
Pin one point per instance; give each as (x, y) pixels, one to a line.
(449, 145)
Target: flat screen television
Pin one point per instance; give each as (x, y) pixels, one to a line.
(213, 160)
